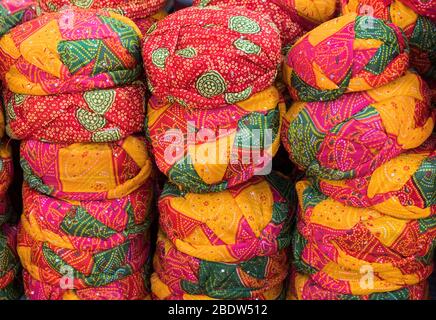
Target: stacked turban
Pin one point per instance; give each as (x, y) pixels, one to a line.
(416, 18)
(143, 12)
(225, 245)
(15, 12)
(361, 128)
(73, 94)
(213, 124)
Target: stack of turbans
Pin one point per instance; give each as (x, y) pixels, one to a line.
(361, 127)
(143, 12)
(73, 96)
(224, 225)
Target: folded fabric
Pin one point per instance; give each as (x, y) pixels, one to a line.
(9, 263)
(86, 171)
(356, 133)
(6, 172)
(133, 9)
(15, 12)
(133, 287)
(422, 7)
(333, 243)
(404, 187)
(238, 224)
(419, 29)
(71, 51)
(347, 54)
(210, 57)
(180, 276)
(302, 287)
(91, 116)
(144, 24)
(209, 150)
(87, 225)
(79, 269)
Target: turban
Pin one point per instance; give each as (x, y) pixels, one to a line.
(86, 171)
(81, 269)
(71, 51)
(92, 116)
(207, 150)
(9, 263)
(419, 28)
(403, 187)
(210, 57)
(15, 12)
(144, 24)
(356, 133)
(179, 276)
(422, 7)
(334, 244)
(347, 54)
(238, 224)
(304, 288)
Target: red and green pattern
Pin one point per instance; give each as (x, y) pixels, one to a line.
(15, 12)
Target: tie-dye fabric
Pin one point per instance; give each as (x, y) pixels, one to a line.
(419, 29)
(210, 57)
(178, 276)
(71, 51)
(403, 187)
(333, 243)
(86, 171)
(92, 116)
(15, 12)
(353, 135)
(144, 24)
(423, 7)
(238, 224)
(209, 150)
(302, 287)
(347, 54)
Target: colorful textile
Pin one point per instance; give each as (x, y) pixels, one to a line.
(79, 269)
(15, 12)
(419, 29)
(210, 57)
(181, 277)
(304, 288)
(86, 171)
(209, 150)
(404, 187)
(92, 116)
(9, 263)
(333, 243)
(347, 54)
(71, 51)
(356, 133)
(422, 7)
(144, 24)
(238, 224)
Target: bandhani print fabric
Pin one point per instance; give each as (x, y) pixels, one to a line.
(210, 57)
(144, 24)
(209, 150)
(15, 12)
(403, 187)
(419, 28)
(334, 244)
(353, 135)
(347, 54)
(178, 276)
(86, 171)
(69, 52)
(93, 116)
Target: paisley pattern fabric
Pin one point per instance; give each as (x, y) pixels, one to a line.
(304, 288)
(403, 187)
(347, 54)
(210, 57)
(178, 276)
(353, 135)
(238, 224)
(133, 9)
(86, 171)
(209, 150)
(15, 12)
(335, 245)
(93, 116)
(71, 51)
(419, 29)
